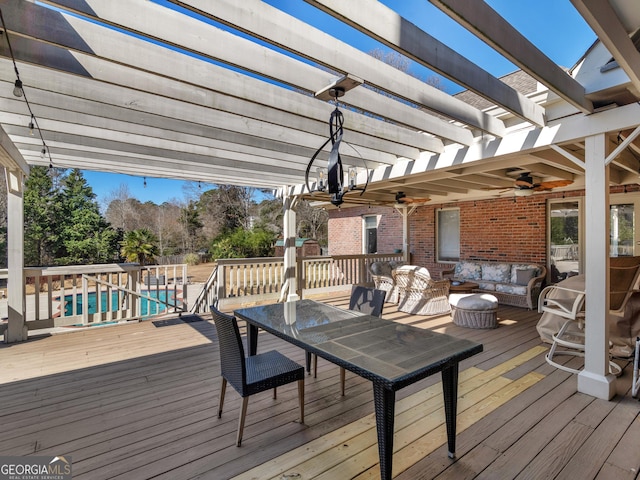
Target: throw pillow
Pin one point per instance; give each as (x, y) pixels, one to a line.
(523, 276)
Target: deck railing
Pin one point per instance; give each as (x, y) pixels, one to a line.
(263, 278)
(89, 294)
(55, 296)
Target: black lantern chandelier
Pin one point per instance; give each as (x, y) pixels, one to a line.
(331, 179)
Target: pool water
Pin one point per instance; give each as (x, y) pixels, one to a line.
(147, 307)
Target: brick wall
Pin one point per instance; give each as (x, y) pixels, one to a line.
(346, 226)
(504, 229)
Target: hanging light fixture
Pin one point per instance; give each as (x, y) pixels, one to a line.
(331, 179)
(17, 88)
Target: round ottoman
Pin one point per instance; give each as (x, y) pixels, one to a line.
(474, 310)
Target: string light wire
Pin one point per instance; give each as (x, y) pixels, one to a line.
(34, 120)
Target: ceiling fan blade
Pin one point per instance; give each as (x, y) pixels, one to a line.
(552, 184)
(414, 200)
(402, 198)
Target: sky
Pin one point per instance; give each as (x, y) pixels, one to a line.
(553, 26)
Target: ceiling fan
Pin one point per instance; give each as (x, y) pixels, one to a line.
(524, 185)
(402, 198)
(525, 182)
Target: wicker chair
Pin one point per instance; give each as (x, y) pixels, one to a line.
(253, 374)
(383, 279)
(418, 293)
(364, 300)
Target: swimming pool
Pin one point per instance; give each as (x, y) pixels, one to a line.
(147, 308)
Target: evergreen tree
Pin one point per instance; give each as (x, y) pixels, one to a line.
(85, 236)
(39, 218)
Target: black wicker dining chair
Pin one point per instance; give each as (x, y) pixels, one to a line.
(364, 300)
(253, 374)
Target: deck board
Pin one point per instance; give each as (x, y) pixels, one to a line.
(140, 401)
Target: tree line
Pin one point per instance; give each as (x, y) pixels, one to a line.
(64, 224)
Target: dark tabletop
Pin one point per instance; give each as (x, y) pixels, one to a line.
(381, 350)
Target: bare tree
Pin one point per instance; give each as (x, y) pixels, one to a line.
(312, 222)
(167, 227)
(122, 209)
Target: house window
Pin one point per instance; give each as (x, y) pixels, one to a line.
(370, 236)
(448, 234)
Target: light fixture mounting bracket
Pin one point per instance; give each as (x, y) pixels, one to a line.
(345, 83)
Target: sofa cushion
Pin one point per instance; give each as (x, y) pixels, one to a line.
(511, 288)
(522, 266)
(490, 286)
(496, 272)
(473, 301)
(468, 271)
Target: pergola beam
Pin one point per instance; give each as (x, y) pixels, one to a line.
(201, 84)
(217, 45)
(480, 19)
(604, 21)
(558, 132)
(270, 24)
(405, 37)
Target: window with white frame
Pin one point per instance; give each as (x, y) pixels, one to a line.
(448, 234)
(370, 234)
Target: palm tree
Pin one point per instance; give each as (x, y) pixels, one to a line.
(139, 246)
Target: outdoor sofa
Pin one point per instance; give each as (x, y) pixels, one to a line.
(516, 284)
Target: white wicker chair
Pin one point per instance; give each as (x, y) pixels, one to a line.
(383, 279)
(418, 293)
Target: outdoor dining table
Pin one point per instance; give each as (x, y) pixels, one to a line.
(390, 354)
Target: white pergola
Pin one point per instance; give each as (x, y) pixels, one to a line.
(223, 92)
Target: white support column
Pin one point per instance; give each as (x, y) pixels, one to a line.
(595, 378)
(406, 212)
(406, 239)
(291, 282)
(17, 330)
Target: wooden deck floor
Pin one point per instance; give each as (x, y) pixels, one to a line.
(139, 401)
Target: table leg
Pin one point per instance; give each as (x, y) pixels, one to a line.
(252, 338)
(385, 403)
(450, 391)
(308, 359)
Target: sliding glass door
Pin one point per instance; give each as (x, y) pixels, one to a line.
(566, 233)
(565, 227)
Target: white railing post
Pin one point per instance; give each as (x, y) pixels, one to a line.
(85, 301)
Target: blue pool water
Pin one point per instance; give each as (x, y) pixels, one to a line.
(147, 307)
